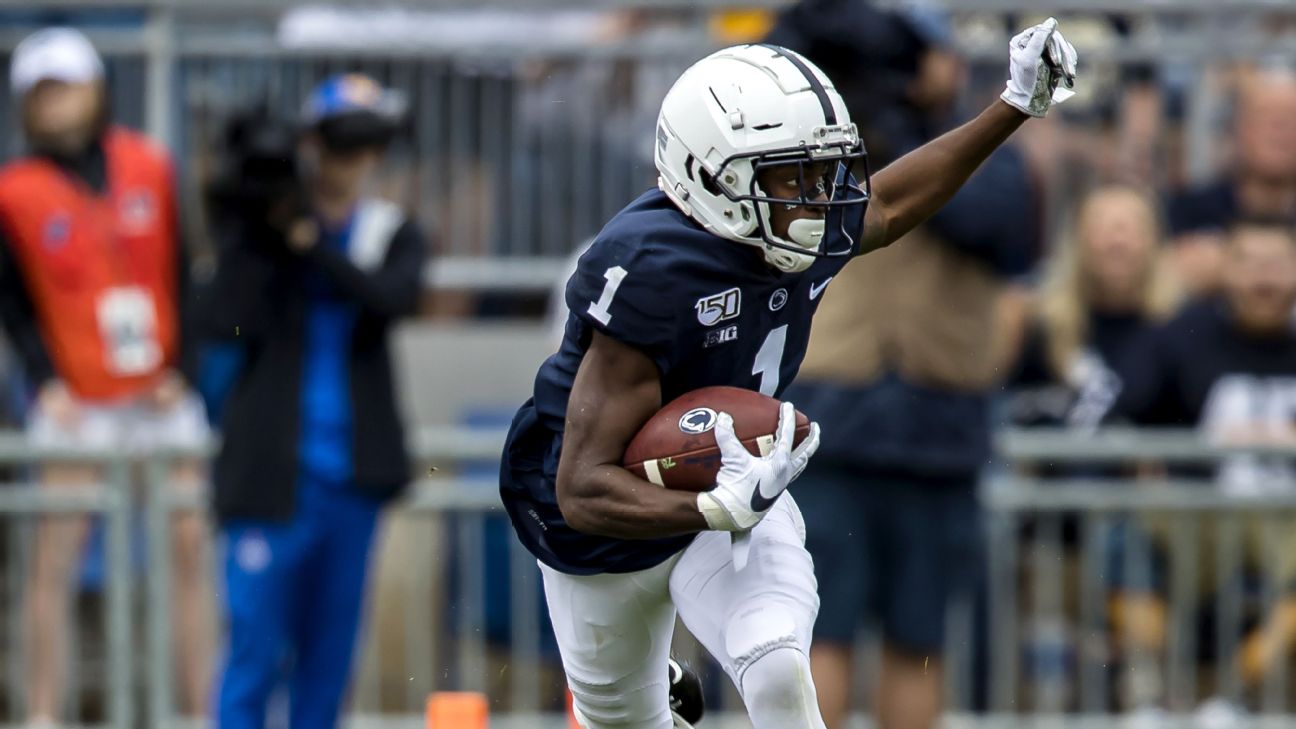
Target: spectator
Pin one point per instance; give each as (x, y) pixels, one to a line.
(900, 363)
(1262, 183)
(1216, 365)
(1105, 288)
(313, 445)
(1226, 366)
(93, 291)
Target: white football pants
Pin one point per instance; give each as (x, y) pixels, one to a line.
(614, 630)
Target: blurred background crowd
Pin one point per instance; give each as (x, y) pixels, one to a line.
(1059, 419)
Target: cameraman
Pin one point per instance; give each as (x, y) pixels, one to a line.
(310, 278)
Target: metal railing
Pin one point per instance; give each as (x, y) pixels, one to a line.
(109, 500)
(1074, 536)
(1054, 651)
(432, 655)
(129, 669)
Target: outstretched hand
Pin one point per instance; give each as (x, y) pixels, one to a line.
(1041, 69)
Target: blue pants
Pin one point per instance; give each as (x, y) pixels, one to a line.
(888, 549)
(294, 593)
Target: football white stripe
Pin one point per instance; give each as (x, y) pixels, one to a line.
(653, 472)
(766, 444)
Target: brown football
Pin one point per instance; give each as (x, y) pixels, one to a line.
(677, 449)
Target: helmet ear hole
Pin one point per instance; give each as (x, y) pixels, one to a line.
(709, 183)
(746, 213)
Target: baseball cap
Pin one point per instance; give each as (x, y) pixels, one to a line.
(352, 93)
(59, 54)
(352, 111)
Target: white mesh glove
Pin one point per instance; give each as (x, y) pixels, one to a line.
(747, 486)
(1041, 69)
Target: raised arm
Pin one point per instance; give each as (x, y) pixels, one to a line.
(914, 187)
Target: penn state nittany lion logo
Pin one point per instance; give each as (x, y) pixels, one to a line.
(697, 421)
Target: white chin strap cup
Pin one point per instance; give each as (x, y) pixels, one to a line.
(807, 232)
(804, 233)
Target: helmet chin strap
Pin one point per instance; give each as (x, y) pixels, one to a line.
(787, 261)
(807, 232)
(802, 233)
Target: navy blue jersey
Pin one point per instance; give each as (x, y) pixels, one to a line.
(706, 310)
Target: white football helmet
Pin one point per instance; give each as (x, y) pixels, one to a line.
(746, 108)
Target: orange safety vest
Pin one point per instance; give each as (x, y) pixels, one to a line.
(100, 268)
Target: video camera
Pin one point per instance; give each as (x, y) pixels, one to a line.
(259, 178)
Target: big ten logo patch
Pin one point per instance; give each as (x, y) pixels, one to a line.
(713, 309)
(720, 336)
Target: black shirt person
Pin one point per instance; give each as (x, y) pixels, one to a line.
(1226, 366)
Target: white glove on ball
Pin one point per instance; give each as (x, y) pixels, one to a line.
(747, 486)
(1041, 69)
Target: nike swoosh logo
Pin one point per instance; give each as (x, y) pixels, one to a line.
(816, 289)
(760, 502)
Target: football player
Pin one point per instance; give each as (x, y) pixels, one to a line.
(712, 280)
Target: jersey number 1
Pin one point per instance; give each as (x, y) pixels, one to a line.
(768, 360)
(599, 309)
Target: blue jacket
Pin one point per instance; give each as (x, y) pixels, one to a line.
(260, 301)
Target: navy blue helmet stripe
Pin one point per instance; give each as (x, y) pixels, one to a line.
(830, 114)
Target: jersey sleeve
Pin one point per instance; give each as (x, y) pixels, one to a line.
(624, 293)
